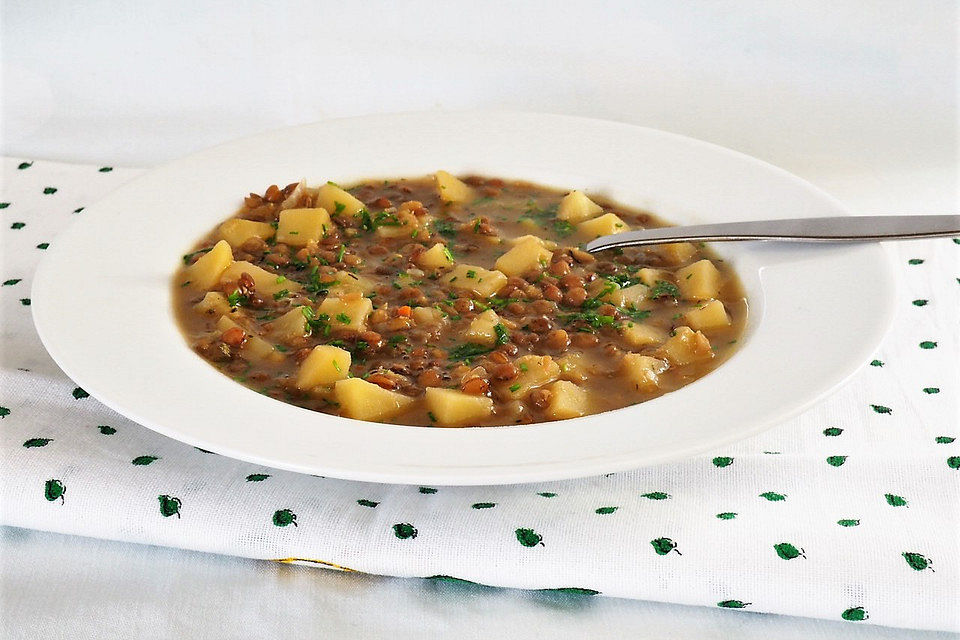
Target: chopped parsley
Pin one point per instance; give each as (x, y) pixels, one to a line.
(343, 318)
(317, 323)
(316, 286)
(445, 228)
(366, 222)
(635, 314)
(622, 280)
(662, 288)
(280, 295)
(590, 319)
(382, 219)
(538, 215)
(186, 258)
(236, 298)
(468, 350)
(563, 227)
(502, 336)
(432, 417)
(515, 387)
(471, 273)
(338, 207)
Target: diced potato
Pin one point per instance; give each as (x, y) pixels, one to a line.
(535, 371)
(643, 372)
(347, 315)
(567, 400)
(649, 276)
(606, 290)
(634, 295)
(427, 316)
(436, 257)
(325, 365)
(699, 281)
(214, 303)
(297, 227)
(642, 335)
(483, 328)
(574, 367)
(366, 401)
(530, 225)
(207, 270)
(292, 200)
(707, 316)
(267, 283)
(528, 254)
(675, 252)
(476, 279)
(453, 408)
(613, 293)
(605, 225)
(290, 326)
(686, 346)
(237, 231)
(402, 224)
(452, 189)
(254, 347)
(337, 201)
(343, 282)
(576, 207)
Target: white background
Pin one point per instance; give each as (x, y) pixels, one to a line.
(859, 96)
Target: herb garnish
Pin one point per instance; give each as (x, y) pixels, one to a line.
(445, 228)
(622, 280)
(468, 350)
(316, 286)
(236, 298)
(563, 227)
(317, 323)
(663, 288)
(186, 258)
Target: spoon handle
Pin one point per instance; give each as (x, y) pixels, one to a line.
(834, 229)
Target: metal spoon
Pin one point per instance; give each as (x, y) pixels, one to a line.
(834, 229)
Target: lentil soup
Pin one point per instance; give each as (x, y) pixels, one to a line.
(437, 301)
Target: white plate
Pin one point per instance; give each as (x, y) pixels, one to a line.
(102, 297)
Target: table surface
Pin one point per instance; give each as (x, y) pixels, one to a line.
(860, 99)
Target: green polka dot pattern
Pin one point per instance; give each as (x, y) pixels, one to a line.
(853, 519)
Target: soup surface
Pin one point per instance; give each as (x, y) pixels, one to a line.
(437, 301)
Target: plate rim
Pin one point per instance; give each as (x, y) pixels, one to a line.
(607, 465)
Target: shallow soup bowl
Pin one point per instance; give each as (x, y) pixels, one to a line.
(816, 313)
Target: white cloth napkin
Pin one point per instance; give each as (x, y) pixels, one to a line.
(850, 511)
